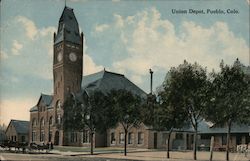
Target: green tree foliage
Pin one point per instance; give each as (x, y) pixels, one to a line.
(127, 110)
(230, 100)
(92, 113)
(169, 112)
(188, 90)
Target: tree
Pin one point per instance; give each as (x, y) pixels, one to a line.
(230, 98)
(169, 112)
(127, 110)
(190, 86)
(92, 113)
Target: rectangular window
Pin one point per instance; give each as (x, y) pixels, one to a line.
(23, 138)
(50, 135)
(42, 136)
(179, 136)
(85, 136)
(130, 138)
(140, 138)
(33, 136)
(224, 140)
(73, 137)
(205, 137)
(121, 138)
(164, 138)
(112, 138)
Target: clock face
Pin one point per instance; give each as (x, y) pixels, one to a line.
(59, 56)
(72, 57)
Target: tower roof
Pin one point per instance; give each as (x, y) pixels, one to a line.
(68, 29)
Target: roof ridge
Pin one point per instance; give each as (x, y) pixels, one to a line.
(102, 71)
(46, 94)
(105, 71)
(19, 120)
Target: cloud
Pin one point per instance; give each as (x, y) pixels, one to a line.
(47, 31)
(3, 55)
(78, 1)
(89, 66)
(16, 47)
(116, 0)
(101, 28)
(153, 42)
(15, 109)
(29, 26)
(37, 44)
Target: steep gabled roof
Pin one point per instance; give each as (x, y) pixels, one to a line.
(21, 127)
(46, 99)
(68, 29)
(105, 81)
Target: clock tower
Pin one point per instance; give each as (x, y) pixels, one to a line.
(68, 57)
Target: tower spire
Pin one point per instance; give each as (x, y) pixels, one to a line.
(65, 4)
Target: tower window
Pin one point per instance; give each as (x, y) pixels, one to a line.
(68, 31)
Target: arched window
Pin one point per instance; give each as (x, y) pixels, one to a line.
(50, 120)
(34, 123)
(42, 122)
(59, 118)
(58, 104)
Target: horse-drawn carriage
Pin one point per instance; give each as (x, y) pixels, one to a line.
(25, 147)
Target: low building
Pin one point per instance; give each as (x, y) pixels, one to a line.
(239, 135)
(145, 137)
(18, 131)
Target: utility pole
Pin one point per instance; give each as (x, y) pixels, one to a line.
(151, 80)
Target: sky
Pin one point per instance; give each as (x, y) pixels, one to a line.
(123, 36)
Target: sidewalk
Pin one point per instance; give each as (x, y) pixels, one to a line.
(153, 155)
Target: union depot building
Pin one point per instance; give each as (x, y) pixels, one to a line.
(46, 116)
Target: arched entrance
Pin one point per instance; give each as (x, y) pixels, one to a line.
(56, 140)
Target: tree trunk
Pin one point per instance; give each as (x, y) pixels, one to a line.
(195, 142)
(125, 142)
(211, 148)
(168, 142)
(91, 142)
(228, 139)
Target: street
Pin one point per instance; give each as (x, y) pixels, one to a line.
(118, 156)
